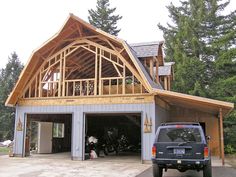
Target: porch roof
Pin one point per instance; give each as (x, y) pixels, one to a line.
(194, 102)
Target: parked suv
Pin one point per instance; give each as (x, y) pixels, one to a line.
(181, 146)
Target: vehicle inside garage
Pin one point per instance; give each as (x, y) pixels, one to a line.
(112, 135)
(48, 133)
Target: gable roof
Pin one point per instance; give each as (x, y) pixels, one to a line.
(146, 49)
(147, 75)
(164, 70)
(67, 29)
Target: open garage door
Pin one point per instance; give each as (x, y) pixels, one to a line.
(113, 136)
(48, 134)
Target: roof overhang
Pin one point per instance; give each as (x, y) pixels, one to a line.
(194, 102)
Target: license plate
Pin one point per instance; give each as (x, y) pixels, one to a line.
(179, 151)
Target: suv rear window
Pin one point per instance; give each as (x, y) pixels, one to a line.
(179, 135)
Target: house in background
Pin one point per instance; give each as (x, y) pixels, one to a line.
(83, 80)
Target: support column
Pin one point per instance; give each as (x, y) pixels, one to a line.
(157, 70)
(96, 72)
(165, 83)
(151, 68)
(221, 138)
(100, 72)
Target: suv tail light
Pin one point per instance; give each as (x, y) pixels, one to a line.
(154, 151)
(206, 152)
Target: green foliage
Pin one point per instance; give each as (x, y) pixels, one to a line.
(8, 78)
(201, 41)
(4, 150)
(229, 149)
(104, 18)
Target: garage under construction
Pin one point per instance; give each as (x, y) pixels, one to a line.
(85, 83)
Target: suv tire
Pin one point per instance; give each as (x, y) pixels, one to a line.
(207, 171)
(157, 171)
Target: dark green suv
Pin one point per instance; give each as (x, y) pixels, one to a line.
(180, 146)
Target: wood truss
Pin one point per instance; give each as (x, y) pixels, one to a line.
(84, 68)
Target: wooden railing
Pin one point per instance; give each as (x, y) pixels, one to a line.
(112, 85)
(79, 87)
(49, 89)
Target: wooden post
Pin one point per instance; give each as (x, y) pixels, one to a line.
(145, 62)
(157, 69)
(151, 67)
(35, 87)
(64, 74)
(123, 82)
(132, 83)
(169, 82)
(96, 72)
(60, 78)
(100, 72)
(40, 83)
(165, 82)
(221, 137)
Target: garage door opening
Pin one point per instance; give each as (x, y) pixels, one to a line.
(48, 134)
(113, 136)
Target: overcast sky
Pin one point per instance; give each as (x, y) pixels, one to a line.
(26, 24)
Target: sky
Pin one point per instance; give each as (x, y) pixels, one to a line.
(27, 24)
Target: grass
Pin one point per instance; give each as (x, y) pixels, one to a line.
(4, 150)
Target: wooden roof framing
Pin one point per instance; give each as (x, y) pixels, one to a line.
(194, 102)
(75, 29)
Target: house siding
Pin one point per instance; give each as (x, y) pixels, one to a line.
(78, 114)
(162, 115)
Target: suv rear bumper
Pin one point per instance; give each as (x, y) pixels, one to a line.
(174, 163)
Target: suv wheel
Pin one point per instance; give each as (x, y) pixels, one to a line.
(157, 171)
(207, 171)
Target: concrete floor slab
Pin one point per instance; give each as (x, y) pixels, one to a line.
(62, 166)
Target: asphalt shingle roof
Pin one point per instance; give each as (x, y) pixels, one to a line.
(164, 70)
(147, 49)
(146, 73)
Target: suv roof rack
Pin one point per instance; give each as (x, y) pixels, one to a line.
(180, 123)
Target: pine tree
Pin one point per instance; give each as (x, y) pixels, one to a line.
(103, 17)
(201, 40)
(8, 78)
(198, 33)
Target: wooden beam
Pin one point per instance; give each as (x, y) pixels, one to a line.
(123, 82)
(151, 68)
(115, 53)
(169, 79)
(96, 72)
(100, 72)
(157, 70)
(165, 83)
(221, 137)
(88, 100)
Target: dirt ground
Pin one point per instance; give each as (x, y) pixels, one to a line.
(61, 167)
(231, 159)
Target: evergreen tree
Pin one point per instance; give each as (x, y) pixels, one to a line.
(197, 35)
(8, 78)
(103, 17)
(201, 40)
